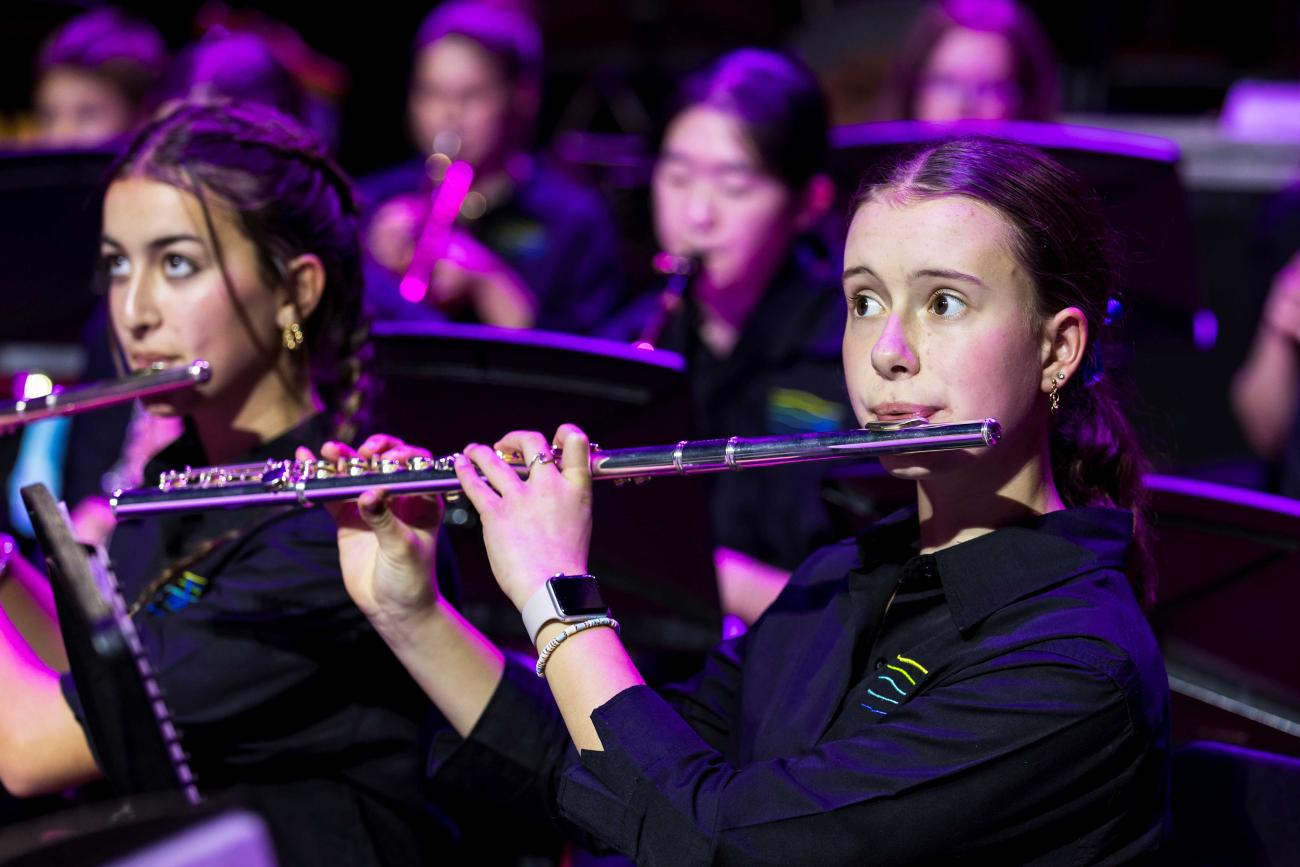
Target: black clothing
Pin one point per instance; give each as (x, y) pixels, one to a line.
(556, 234)
(784, 376)
(279, 686)
(1009, 707)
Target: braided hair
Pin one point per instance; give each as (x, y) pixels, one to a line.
(289, 198)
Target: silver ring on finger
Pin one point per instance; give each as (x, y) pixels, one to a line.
(546, 457)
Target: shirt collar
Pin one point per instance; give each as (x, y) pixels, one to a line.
(186, 451)
(992, 571)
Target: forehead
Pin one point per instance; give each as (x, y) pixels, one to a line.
(710, 138)
(964, 51)
(893, 236)
(457, 61)
(64, 84)
(138, 209)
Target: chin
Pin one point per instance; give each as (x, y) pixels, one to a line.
(928, 465)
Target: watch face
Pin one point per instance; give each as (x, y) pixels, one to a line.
(577, 594)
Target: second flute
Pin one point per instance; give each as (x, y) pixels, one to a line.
(304, 482)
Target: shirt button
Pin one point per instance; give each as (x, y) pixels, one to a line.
(880, 663)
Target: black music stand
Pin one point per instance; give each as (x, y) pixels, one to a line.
(1228, 611)
(445, 385)
(126, 718)
(50, 203)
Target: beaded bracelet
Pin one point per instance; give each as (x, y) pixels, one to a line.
(559, 639)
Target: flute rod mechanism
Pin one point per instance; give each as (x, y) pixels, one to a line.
(305, 482)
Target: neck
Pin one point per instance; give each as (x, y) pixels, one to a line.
(269, 411)
(961, 506)
(724, 310)
(493, 178)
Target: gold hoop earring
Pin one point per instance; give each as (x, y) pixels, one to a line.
(292, 336)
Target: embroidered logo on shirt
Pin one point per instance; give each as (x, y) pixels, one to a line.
(790, 410)
(888, 690)
(177, 594)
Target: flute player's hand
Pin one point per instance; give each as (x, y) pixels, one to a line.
(386, 544)
(537, 527)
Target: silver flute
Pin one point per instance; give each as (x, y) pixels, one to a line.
(304, 482)
(99, 395)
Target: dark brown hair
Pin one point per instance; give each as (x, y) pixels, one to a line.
(778, 102)
(1062, 240)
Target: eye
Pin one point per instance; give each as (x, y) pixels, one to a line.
(866, 305)
(945, 305)
(115, 266)
(736, 189)
(176, 267)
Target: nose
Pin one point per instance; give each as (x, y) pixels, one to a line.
(701, 211)
(892, 355)
(137, 310)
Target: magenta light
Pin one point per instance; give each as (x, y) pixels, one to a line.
(1205, 329)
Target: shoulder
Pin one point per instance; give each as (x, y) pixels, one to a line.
(549, 192)
(828, 563)
(1091, 625)
(374, 188)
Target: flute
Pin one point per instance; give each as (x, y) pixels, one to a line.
(99, 395)
(305, 482)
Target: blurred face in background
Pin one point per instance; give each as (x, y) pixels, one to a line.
(460, 103)
(970, 75)
(78, 109)
(714, 199)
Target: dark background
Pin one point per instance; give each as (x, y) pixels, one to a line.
(1150, 56)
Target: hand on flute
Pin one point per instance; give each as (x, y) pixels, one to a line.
(386, 544)
(537, 527)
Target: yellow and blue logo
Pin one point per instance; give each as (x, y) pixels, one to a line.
(889, 690)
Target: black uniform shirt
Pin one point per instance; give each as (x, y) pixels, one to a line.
(784, 376)
(277, 682)
(1009, 707)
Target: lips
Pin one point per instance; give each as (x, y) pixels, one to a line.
(146, 360)
(895, 411)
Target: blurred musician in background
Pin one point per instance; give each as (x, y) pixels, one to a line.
(739, 185)
(1266, 390)
(530, 248)
(974, 60)
(94, 76)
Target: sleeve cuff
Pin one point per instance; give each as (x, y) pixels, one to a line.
(520, 737)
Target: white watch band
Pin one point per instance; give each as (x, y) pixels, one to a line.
(538, 611)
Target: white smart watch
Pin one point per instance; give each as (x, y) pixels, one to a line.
(563, 599)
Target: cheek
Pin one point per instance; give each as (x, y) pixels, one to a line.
(988, 374)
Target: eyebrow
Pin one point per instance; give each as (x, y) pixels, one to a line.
(156, 243)
(946, 274)
(713, 168)
(941, 273)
